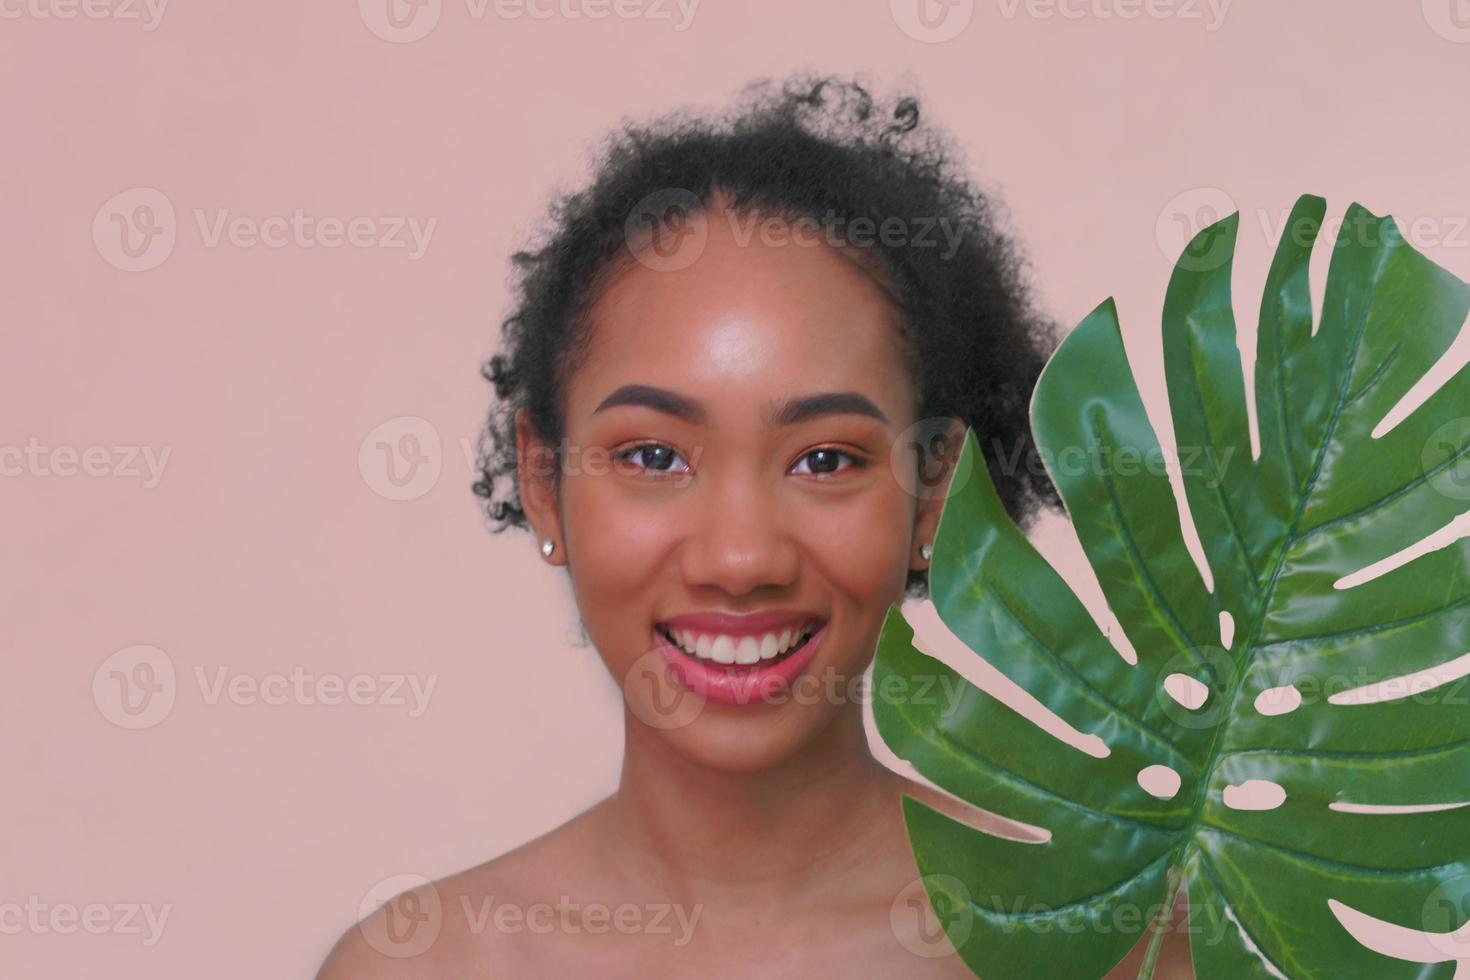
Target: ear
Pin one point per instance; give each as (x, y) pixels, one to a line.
(536, 477)
(932, 488)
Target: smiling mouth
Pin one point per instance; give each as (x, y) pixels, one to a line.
(743, 654)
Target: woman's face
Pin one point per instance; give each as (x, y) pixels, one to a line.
(686, 493)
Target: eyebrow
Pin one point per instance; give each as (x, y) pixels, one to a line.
(790, 412)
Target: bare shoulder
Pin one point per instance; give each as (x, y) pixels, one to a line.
(462, 925)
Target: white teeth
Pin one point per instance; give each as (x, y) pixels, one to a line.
(748, 650)
(737, 650)
(723, 652)
(769, 644)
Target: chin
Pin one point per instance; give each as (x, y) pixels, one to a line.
(734, 740)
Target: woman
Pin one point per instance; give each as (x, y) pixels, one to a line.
(722, 362)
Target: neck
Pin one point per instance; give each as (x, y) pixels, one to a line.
(788, 832)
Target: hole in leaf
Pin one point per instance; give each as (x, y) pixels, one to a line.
(1393, 808)
(1278, 700)
(1406, 685)
(933, 637)
(1255, 794)
(1227, 629)
(1440, 941)
(1160, 781)
(1442, 538)
(1055, 538)
(1449, 364)
(1186, 690)
(1113, 630)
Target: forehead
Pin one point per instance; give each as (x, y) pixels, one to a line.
(751, 318)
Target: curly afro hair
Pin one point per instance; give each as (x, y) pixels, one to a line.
(815, 147)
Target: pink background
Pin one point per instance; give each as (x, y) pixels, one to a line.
(270, 543)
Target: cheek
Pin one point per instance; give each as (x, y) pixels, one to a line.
(618, 548)
(861, 550)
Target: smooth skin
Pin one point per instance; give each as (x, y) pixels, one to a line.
(768, 834)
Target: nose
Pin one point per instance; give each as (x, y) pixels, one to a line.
(740, 539)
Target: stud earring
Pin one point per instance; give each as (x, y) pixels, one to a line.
(547, 547)
(926, 551)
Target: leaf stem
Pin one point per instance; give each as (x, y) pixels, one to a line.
(1157, 927)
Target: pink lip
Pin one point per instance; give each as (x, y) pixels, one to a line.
(741, 624)
(744, 684)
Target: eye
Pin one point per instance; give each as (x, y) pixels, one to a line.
(825, 461)
(654, 457)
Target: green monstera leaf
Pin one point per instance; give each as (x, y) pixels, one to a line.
(1324, 499)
